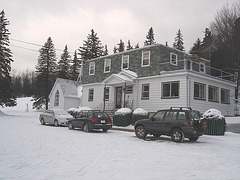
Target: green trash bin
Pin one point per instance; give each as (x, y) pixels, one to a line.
(216, 126)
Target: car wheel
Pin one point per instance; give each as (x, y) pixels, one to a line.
(105, 130)
(42, 122)
(85, 128)
(193, 139)
(70, 126)
(56, 123)
(140, 132)
(177, 135)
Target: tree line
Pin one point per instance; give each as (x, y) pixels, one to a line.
(221, 45)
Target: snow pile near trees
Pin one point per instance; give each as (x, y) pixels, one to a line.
(140, 111)
(213, 113)
(123, 111)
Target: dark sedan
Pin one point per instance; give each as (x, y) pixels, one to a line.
(88, 120)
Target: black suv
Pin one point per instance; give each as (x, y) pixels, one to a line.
(88, 120)
(175, 122)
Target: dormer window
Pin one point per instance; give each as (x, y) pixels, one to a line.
(202, 67)
(145, 58)
(125, 62)
(91, 68)
(173, 59)
(107, 65)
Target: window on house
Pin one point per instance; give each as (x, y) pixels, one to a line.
(173, 59)
(125, 62)
(213, 93)
(90, 94)
(225, 96)
(170, 90)
(188, 64)
(107, 65)
(56, 99)
(91, 68)
(129, 90)
(202, 67)
(145, 91)
(199, 91)
(146, 58)
(106, 93)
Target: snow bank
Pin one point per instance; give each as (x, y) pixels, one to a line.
(213, 113)
(140, 111)
(123, 111)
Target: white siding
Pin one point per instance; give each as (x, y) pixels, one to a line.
(61, 98)
(71, 102)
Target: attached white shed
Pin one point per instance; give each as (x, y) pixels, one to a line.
(65, 94)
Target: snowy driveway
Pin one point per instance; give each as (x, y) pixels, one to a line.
(29, 150)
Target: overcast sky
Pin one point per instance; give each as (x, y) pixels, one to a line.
(68, 22)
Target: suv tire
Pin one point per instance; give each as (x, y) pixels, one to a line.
(177, 135)
(105, 130)
(193, 139)
(140, 132)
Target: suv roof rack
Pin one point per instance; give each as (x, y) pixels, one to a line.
(181, 108)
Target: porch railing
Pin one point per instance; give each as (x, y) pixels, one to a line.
(111, 105)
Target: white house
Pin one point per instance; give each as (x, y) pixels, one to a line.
(65, 94)
(156, 77)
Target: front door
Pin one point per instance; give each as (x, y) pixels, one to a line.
(118, 99)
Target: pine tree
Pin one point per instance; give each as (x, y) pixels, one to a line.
(121, 46)
(178, 43)
(64, 64)
(137, 46)
(115, 50)
(105, 51)
(196, 47)
(45, 74)
(6, 87)
(75, 67)
(92, 47)
(129, 47)
(149, 38)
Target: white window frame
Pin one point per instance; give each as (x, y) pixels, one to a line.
(146, 58)
(171, 59)
(125, 58)
(91, 68)
(144, 92)
(107, 64)
(225, 92)
(171, 95)
(215, 93)
(202, 67)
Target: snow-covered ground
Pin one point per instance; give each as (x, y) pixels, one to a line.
(29, 150)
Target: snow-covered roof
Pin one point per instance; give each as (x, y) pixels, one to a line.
(69, 88)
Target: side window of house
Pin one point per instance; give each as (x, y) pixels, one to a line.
(170, 90)
(225, 96)
(106, 94)
(145, 58)
(173, 59)
(56, 99)
(90, 94)
(91, 68)
(202, 67)
(145, 91)
(125, 62)
(199, 91)
(213, 94)
(107, 65)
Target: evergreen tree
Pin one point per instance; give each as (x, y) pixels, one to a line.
(75, 67)
(26, 85)
(137, 46)
(6, 87)
(178, 43)
(149, 38)
(92, 47)
(45, 74)
(64, 64)
(17, 86)
(129, 47)
(115, 50)
(196, 47)
(121, 46)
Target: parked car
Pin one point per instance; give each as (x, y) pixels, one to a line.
(175, 122)
(56, 117)
(90, 119)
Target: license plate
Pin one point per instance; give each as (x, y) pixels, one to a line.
(102, 121)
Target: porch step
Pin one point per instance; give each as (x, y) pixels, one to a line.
(110, 113)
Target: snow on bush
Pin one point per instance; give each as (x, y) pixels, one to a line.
(213, 113)
(140, 111)
(123, 111)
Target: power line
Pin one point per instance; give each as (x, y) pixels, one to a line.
(24, 48)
